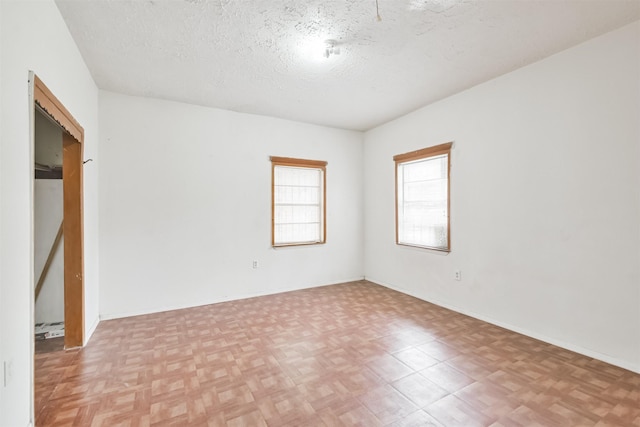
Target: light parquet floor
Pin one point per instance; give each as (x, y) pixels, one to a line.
(355, 354)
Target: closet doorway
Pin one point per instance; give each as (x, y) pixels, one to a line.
(50, 117)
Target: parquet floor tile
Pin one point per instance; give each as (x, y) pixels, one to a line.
(420, 390)
(355, 354)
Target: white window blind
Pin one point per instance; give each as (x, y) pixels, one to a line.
(298, 205)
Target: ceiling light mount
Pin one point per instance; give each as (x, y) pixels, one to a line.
(331, 48)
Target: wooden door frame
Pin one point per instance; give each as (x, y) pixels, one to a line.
(73, 228)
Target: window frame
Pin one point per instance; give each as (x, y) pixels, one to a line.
(423, 154)
(299, 163)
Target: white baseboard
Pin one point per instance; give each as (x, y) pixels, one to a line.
(109, 316)
(91, 330)
(559, 343)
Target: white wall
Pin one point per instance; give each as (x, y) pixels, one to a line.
(47, 195)
(545, 200)
(34, 37)
(48, 141)
(185, 205)
(2, 330)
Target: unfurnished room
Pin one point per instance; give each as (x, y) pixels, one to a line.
(319, 213)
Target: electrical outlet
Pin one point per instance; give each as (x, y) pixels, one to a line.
(255, 264)
(458, 275)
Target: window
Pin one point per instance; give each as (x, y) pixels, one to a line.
(298, 201)
(422, 198)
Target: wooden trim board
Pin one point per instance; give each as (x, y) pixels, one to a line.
(72, 149)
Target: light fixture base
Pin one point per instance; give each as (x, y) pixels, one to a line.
(331, 48)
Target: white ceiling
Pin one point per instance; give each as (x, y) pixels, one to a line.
(255, 56)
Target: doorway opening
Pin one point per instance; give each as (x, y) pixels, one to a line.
(48, 235)
(65, 161)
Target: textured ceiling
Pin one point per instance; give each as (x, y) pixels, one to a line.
(266, 56)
